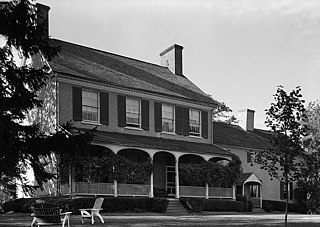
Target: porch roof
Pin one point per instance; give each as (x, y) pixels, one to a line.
(248, 177)
(158, 143)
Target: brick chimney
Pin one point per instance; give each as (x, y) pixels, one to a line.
(172, 58)
(246, 119)
(43, 17)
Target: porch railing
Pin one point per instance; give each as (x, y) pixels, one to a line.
(133, 190)
(192, 191)
(94, 188)
(216, 192)
(144, 190)
(108, 189)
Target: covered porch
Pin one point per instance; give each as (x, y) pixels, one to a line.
(164, 176)
(250, 185)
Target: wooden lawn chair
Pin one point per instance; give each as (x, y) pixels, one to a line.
(93, 211)
(49, 214)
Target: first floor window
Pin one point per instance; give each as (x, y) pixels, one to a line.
(167, 118)
(284, 193)
(254, 191)
(194, 122)
(133, 112)
(90, 106)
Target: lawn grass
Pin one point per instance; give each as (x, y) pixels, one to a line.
(153, 219)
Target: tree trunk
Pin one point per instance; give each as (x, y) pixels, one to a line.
(287, 202)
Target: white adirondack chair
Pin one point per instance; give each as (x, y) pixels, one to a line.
(91, 212)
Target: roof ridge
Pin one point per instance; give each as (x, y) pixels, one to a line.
(103, 51)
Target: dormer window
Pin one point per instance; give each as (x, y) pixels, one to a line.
(133, 112)
(194, 122)
(90, 106)
(167, 118)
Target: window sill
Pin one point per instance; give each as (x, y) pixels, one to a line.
(196, 137)
(90, 123)
(133, 128)
(168, 133)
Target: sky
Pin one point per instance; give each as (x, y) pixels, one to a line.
(238, 51)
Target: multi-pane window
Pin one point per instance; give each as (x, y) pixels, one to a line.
(133, 112)
(90, 106)
(255, 191)
(167, 118)
(194, 122)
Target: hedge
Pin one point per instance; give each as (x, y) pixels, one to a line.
(271, 205)
(109, 205)
(197, 205)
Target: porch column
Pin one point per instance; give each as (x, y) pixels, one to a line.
(115, 188)
(70, 180)
(177, 178)
(234, 191)
(151, 182)
(207, 191)
(260, 190)
(72, 185)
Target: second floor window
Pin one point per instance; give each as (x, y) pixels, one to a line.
(167, 118)
(90, 106)
(194, 122)
(133, 112)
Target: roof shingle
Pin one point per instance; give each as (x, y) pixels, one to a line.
(107, 68)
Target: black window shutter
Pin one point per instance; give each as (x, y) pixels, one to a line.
(104, 108)
(281, 190)
(249, 157)
(185, 122)
(157, 117)
(204, 124)
(179, 119)
(145, 114)
(121, 111)
(291, 190)
(77, 103)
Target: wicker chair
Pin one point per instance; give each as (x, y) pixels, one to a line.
(49, 214)
(93, 211)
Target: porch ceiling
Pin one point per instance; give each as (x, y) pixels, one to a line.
(158, 143)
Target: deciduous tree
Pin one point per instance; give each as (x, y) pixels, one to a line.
(284, 118)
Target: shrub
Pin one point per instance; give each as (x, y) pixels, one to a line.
(160, 192)
(247, 203)
(193, 204)
(270, 205)
(223, 205)
(110, 204)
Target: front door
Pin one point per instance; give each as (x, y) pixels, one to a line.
(171, 185)
(255, 193)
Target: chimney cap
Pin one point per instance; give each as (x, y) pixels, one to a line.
(174, 46)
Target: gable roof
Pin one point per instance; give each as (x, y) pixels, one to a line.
(234, 135)
(139, 141)
(247, 177)
(111, 69)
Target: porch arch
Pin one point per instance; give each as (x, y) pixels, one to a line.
(164, 173)
(135, 155)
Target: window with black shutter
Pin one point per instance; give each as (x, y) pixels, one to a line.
(204, 124)
(77, 103)
(104, 108)
(145, 114)
(157, 117)
(121, 101)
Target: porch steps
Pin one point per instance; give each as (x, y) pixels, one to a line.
(175, 208)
